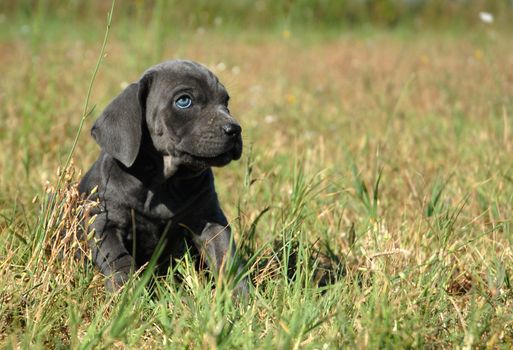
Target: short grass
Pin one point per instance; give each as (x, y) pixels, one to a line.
(373, 201)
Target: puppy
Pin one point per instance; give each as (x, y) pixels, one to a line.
(159, 139)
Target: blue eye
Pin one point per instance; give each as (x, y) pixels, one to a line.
(183, 102)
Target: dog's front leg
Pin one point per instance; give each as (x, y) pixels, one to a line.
(110, 254)
(217, 246)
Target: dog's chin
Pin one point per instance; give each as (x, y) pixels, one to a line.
(196, 162)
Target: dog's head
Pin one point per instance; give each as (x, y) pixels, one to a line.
(184, 109)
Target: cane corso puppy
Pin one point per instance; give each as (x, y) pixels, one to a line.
(159, 139)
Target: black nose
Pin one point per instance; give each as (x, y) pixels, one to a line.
(232, 129)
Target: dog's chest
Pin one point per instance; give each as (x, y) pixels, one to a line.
(152, 207)
(162, 205)
(160, 208)
(162, 213)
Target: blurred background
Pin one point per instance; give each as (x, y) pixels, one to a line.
(267, 14)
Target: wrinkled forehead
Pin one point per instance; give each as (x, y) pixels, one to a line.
(171, 74)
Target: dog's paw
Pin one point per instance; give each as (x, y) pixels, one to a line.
(115, 281)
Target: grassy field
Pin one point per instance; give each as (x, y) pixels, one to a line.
(373, 200)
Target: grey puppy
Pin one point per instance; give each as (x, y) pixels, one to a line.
(159, 139)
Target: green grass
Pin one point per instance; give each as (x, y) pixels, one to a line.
(372, 204)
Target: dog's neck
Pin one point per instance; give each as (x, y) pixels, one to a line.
(156, 170)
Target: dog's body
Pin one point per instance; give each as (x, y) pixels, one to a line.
(159, 138)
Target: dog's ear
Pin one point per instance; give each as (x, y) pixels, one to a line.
(118, 130)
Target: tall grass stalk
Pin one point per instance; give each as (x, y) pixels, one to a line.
(86, 111)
